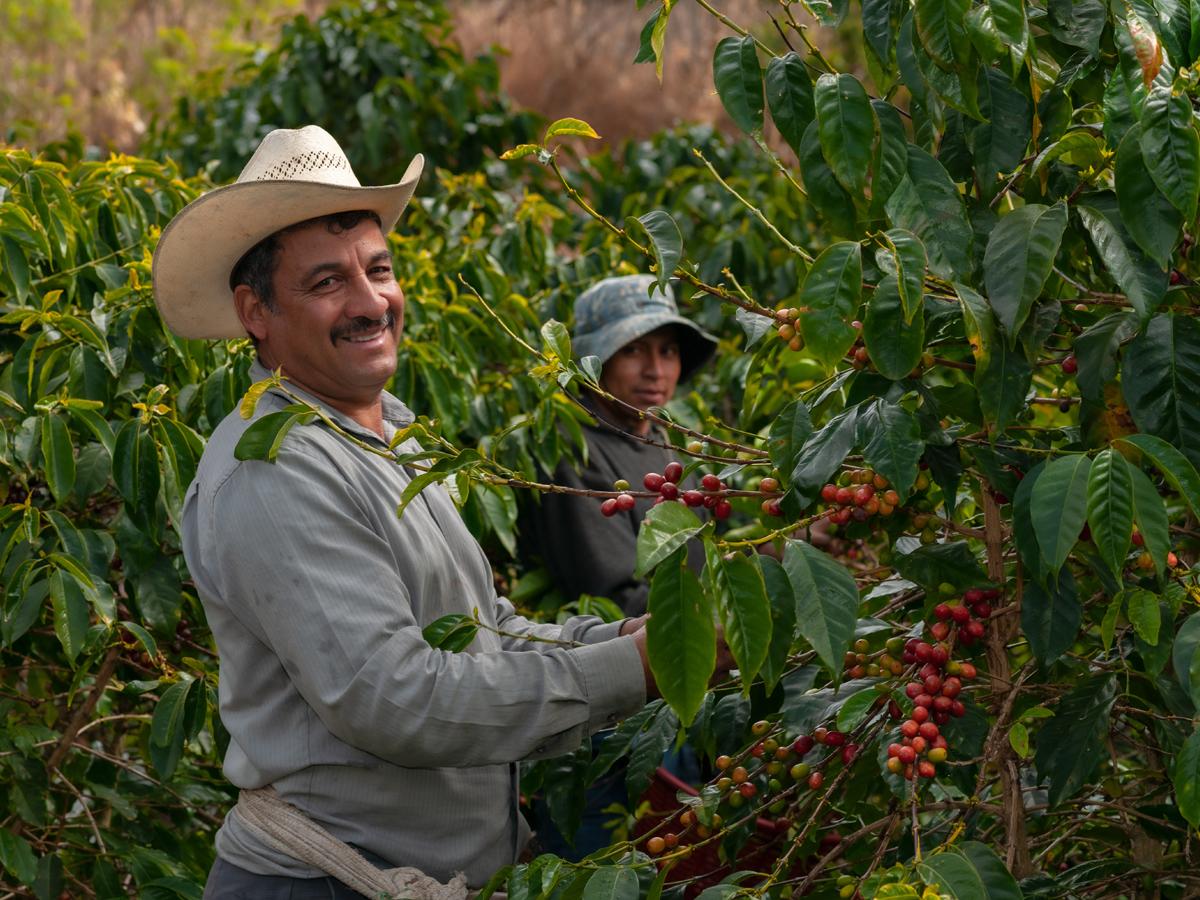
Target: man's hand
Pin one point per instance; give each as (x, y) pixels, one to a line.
(629, 626)
(637, 629)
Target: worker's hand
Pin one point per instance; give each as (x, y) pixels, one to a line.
(639, 641)
(629, 626)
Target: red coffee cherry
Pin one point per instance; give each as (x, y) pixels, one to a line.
(710, 482)
(653, 481)
(609, 507)
(673, 472)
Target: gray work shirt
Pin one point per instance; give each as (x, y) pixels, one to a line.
(316, 593)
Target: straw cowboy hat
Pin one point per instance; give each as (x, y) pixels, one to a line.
(294, 175)
(617, 310)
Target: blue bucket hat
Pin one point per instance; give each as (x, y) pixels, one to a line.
(615, 311)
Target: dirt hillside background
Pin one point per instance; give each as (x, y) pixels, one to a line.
(107, 68)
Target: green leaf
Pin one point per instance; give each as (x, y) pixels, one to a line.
(569, 128)
(969, 871)
(666, 528)
(1002, 374)
(1143, 282)
(665, 241)
(58, 454)
(891, 441)
(824, 192)
(17, 857)
(790, 97)
(940, 27)
(783, 620)
(856, 708)
(1080, 723)
(1078, 23)
(264, 437)
(1018, 739)
(168, 728)
(71, 612)
(612, 883)
(909, 254)
(1152, 221)
(1081, 149)
(1160, 378)
(135, 469)
(1051, 616)
(927, 203)
(744, 609)
(894, 344)
(1097, 350)
(1174, 466)
(832, 291)
(453, 633)
(826, 602)
(846, 128)
(998, 147)
(680, 635)
(1020, 254)
(823, 453)
(1186, 777)
(16, 267)
(1183, 656)
(520, 151)
(1171, 147)
(1059, 507)
(557, 339)
(1009, 19)
(932, 565)
(739, 81)
(1150, 514)
(1110, 508)
(1142, 607)
(889, 164)
(878, 29)
(790, 429)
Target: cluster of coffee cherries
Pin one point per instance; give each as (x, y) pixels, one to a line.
(969, 616)
(866, 494)
(666, 485)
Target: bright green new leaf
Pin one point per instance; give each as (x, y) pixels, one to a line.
(1059, 507)
(790, 97)
(520, 151)
(1110, 508)
(826, 602)
(1020, 254)
(846, 128)
(894, 344)
(557, 339)
(832, 291)
(666, 528)
(1171, 147)
(680, 635)
(738, 78)
(1018, 739)
(569, 128)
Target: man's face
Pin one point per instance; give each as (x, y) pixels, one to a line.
(645, 371)
(338, 314)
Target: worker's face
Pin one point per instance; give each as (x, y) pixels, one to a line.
(645, 371)
(338, 314)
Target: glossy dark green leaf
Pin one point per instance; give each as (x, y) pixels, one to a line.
(15, 267)
(1152, 221)
(1020, 254)
(744, 609)
(680, 635)
(890, 162)
(846, 128)
(999, 146)
(1145, 613)
(790, 429)
(71, 612)
(891, 442)
(157, 592)
(832, 291)
(927, 203)
(969, 871)
(136, 469)
(1097, 351)
(1110, 508)
(1051, 616)
(824, 192)
(1142, 281)
(452, 633)
(878, 29)
(790, 97)
(58, 455)
(1185, 775)
(1174, 466)
(1171, 147)
(931, 565)
(739, 81)
(612, 883)
(648, 749)
(909, 254)
(826, 602)
(1081, 722)
(1184, 657)
(265, 436)
(823, 453)
(783, 620)
(1078, 23)
(1160, 378)
(665, 241)
(17, 857)
(1009, 19)
(1150, 516)
(1002, 374)
(940, 25)
(895, 346)
(1059, 507)
(666, 528)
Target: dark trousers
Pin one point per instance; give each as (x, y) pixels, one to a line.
(228, 882)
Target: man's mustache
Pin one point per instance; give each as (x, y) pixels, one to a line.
(363, 324)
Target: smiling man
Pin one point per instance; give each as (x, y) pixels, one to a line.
(317, 593)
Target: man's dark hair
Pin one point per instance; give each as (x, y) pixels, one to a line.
(256, 268)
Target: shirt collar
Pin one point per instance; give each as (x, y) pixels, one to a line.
(394, 411)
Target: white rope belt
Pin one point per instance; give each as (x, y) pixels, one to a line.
(287, 829)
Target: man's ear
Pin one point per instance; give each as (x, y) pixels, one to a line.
(252, 312)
